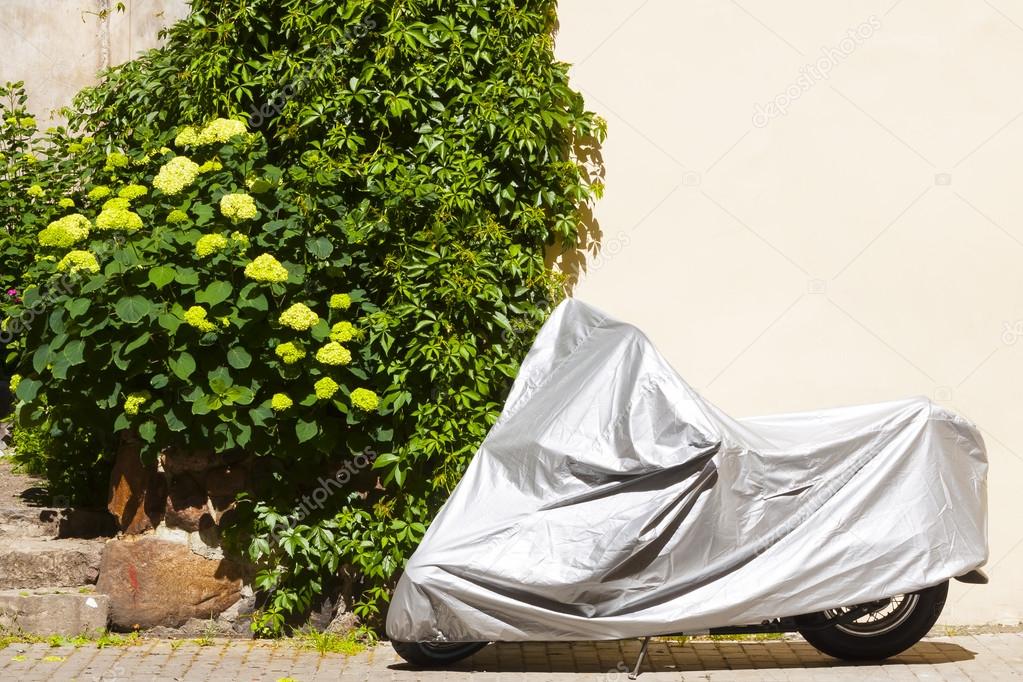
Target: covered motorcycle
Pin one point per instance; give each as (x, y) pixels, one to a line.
(610, 500)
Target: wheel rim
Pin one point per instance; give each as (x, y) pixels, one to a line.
(883, 620)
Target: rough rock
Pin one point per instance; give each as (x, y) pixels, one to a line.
(29, 523)
(175, 462)
(45, 522)
(234, 623)
(226, 481)
(155, 582)
(343, 623)
(31, 563)
(137, 490)
(186, 503)
(53, 612)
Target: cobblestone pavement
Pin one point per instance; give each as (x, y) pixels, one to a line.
(977, 658)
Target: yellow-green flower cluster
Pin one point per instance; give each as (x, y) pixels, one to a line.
(299, 317)
(35, 191)
(66, 203)
(290, 353)
(130, 192)
(209, 244)
(65, 232)
(116, 204)
(98, 192)
(176, 175)
(134, 401)
(118, 219)
(365, 399)
(27, 122)
(342, 332)
(78, 260)
(325, 388)
(210, 166)
(76, 148)
(266, 268)
(15, 381)
(177, 216)
(340, 302)
(197, 317)
(186, 137)
(280, 402)
(219, 131)
(240, 239)
(238, 207)
(29, 158)
(334, 354)
(116, 160)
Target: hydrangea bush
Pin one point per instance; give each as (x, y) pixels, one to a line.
(187, 330)
(352, 277)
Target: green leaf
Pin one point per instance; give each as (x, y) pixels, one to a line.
(320, 330)
(239, 395)
(28, 389)
(320, 247)
(183, 365)
(215, 293)
(137, 343)
(161, 276)
(385, 460)
(206, 404)
(56, 321)
(238, 357)
(132, 309)
(41, 358)
(259, 415)
(174, 422)
(306, 430)
(186, 276)
(74, 351)
(169, 322)
(78, 307)
(147, 431)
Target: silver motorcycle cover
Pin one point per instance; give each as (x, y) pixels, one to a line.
(611, 501)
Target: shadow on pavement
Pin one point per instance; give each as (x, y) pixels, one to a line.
(666, 656)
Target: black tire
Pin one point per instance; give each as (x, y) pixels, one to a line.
(879, 635)
(432, 655)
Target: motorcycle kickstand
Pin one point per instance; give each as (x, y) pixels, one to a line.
(639, 660)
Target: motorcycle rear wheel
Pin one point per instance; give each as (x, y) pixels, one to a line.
(430, 654)
(880, 634)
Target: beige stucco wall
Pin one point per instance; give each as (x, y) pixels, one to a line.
(864, 245)
(57, 46)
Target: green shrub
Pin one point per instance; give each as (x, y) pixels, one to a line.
(419, 158)
(75, 470)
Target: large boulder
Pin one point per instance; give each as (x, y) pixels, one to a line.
(153, 582)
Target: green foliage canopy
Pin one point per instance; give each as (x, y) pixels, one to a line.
(416, 156)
